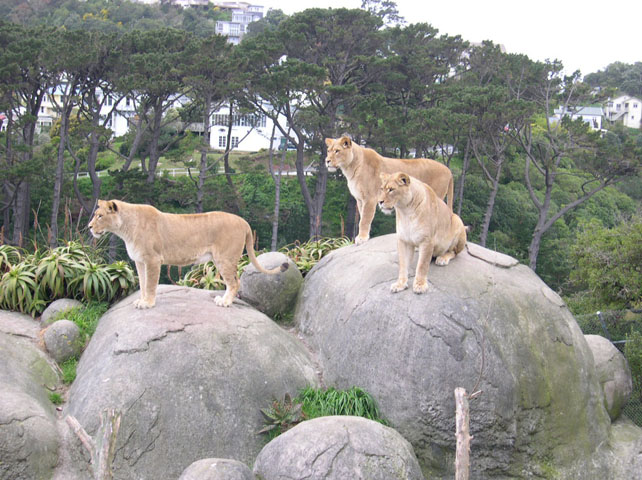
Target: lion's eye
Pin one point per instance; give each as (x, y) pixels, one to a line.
(336, 151)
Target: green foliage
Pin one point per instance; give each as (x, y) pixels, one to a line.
(315, 402)
(56, 398)
(86, 317)
(69, 371)
(281, 416)
(354, 401)
(633, 354)
(9, 256)
(73, 270)
(306, 255)
(608, 263)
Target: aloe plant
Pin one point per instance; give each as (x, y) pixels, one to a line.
(94, 284)
(122, 277)
(9, 256)
(55, 271)
(19, 290)
(282, 415)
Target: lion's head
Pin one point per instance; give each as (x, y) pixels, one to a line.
(339, 152)
(394, 188)
(106, 218)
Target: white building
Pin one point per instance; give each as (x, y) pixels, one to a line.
(250, 132)
(242, 15)
(626, 110)
(591, 115)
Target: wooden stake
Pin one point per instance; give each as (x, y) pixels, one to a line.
(462, 455)
(103, 449)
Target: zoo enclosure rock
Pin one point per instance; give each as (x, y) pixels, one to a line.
(189, 377)
(338, 448)
(541, 406)
(62, 339)
(614, 374)
(217, 469)
(271, 294)
(28, 434)
(57, 306)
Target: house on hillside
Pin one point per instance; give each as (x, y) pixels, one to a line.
(624, 109)
(250, 131)
(591, 115)
(242, 15)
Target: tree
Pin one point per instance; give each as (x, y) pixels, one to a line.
(607, 262)
(206, 76)
(554, 149)
(302, 73)
(618, 76)
(25, 78)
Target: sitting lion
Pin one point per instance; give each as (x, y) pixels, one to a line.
(423, 221)
(154, 238)
(362, 167)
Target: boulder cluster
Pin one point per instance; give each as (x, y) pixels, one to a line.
(185, 382)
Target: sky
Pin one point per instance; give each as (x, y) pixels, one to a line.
(586, 35)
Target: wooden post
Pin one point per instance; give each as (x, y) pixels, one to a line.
(462, 455)
(103, 449)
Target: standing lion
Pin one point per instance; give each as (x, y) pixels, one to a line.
(154, 238)
(363, 166)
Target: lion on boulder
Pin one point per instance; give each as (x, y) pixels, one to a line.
(154, 238)
(424, 221)
(363, 166)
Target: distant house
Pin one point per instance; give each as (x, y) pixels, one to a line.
(242, 15)
(591, 115)
(624, 109)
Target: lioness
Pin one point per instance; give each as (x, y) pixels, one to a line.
(362, 167)
(423, 221)
(154, 238)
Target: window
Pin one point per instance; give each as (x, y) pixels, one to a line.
(235, 142)
(222, 142)
(635, 105)
(127, 101)
(618, 106)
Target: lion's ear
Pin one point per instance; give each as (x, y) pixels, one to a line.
(329, 142)
(403, 179)
(112, 207)
(346, 142)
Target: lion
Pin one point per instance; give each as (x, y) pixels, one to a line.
(424, 221)
(154, 238)
(363, 166)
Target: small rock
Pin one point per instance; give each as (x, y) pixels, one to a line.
(62, 339)
(55, 307)
(217, 469)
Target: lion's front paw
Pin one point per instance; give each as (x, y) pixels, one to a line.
(361, 239)
(444, 259)
(398, 286)
(421, 286)
(222, 301)
(143, 304)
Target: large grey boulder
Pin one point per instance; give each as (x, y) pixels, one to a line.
(62, 339)
(189, 377)
(217, 469)
(57, 306)
(614, 374)
(338, 448)
(28, 435)
(488, 319)
(271, 294)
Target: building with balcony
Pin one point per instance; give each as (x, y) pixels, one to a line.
(624, 109)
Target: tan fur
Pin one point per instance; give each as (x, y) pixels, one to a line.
(154, 238)
(423, 221)
(363, 166)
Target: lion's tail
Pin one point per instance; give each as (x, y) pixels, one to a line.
(451, 192)
(249, 246)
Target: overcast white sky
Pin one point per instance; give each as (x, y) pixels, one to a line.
(584, 34)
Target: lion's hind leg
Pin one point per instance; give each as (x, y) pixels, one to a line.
(228, 272)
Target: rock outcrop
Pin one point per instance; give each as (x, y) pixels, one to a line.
(273, 295)
(189, 378)
(614, 374)
(338, 448)
(28, 435)
(488, 324)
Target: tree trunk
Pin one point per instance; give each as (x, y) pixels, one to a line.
(154, 154)
(22, 203)
(490, 205)
(205, 147)
(462, 178)
(60, 164)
